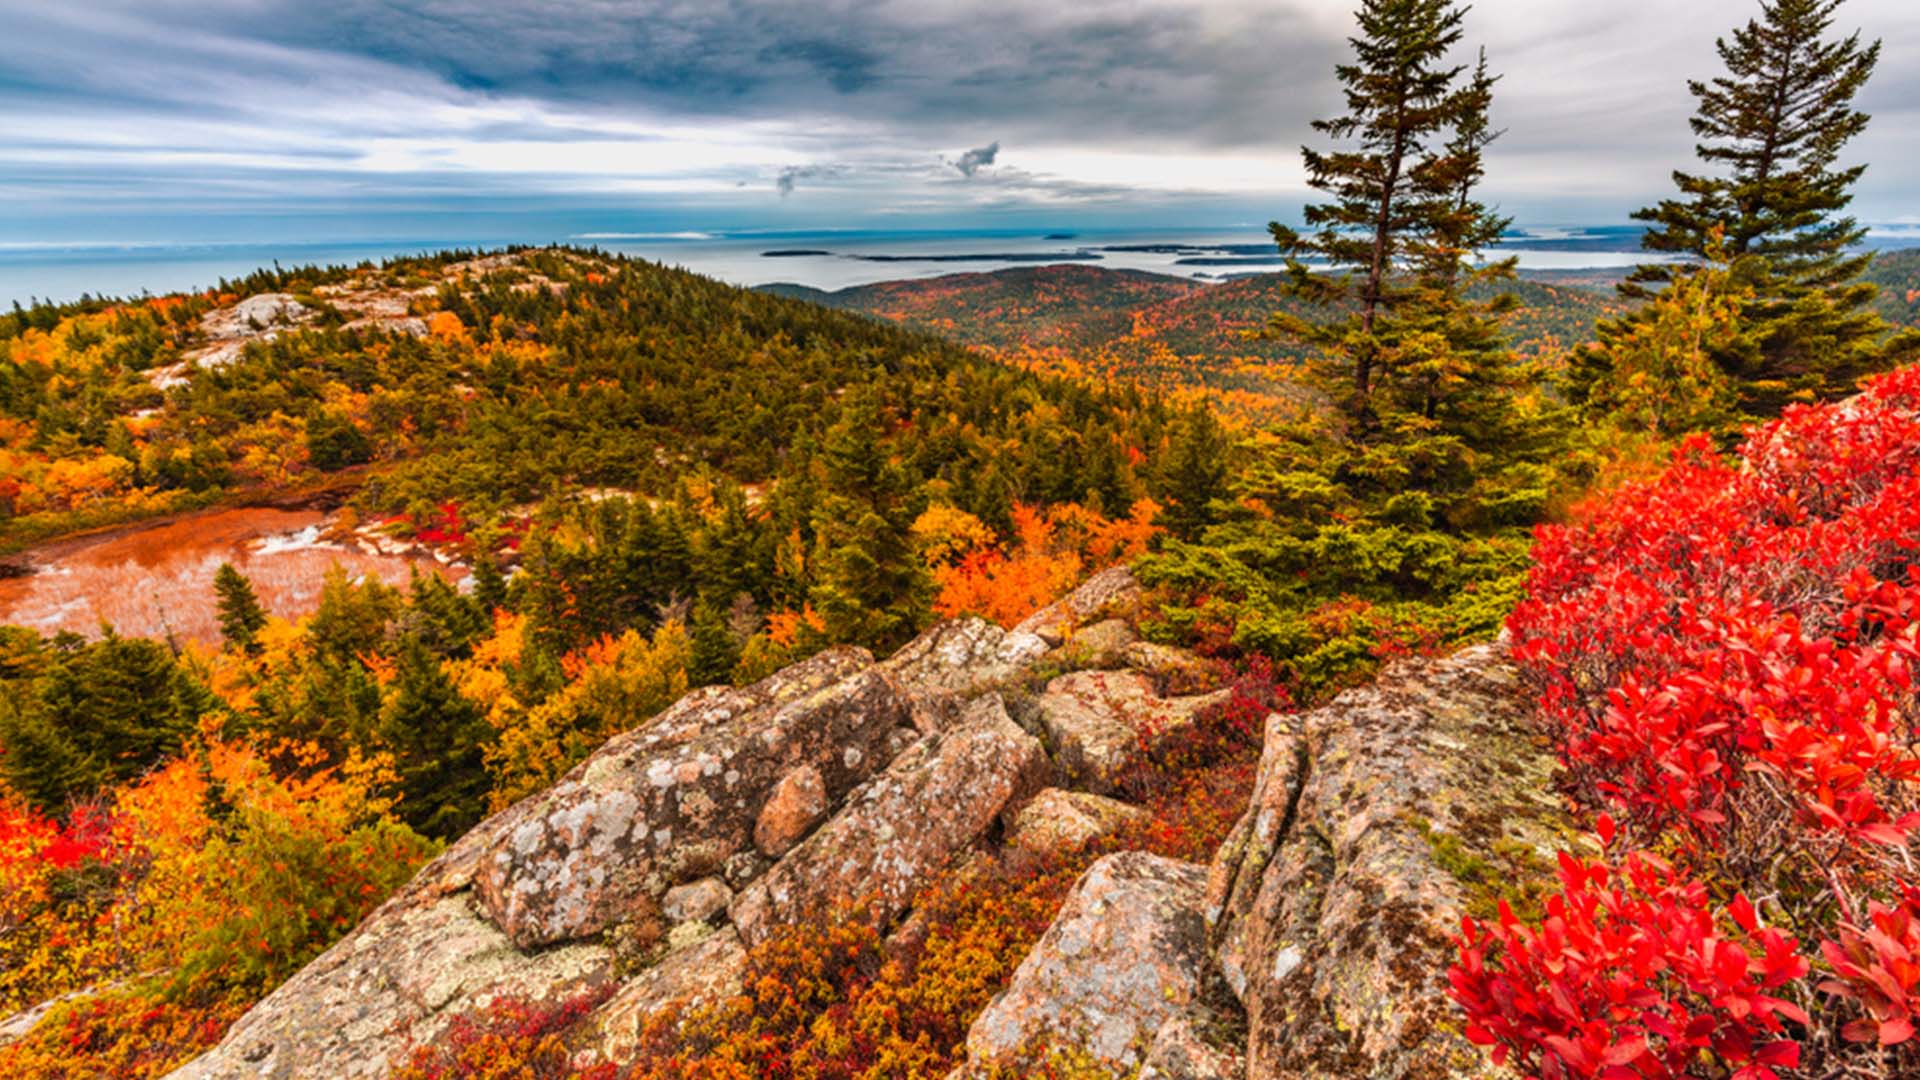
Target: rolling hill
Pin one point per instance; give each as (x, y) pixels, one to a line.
(1174, 334)
(1182, 335)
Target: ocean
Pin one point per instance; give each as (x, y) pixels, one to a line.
(820, 259)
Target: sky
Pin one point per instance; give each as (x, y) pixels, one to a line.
(223, 120)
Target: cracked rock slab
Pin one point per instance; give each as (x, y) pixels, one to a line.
(672, 801)
(956, 660)
(1102, 723)
(395, 982)
(907, 823)
(1057, 821)
(697, 976)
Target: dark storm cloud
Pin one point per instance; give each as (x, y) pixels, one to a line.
(976, 159)
(1205, 71)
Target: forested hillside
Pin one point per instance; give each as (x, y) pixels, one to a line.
(1117, 327)
(648, 480)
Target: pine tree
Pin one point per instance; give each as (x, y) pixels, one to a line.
(715, 649)
(241, 616)
(489, 584)
(1388, 192)
(1443, 425)
(1772, 128)
(103, 712)
(870, 585)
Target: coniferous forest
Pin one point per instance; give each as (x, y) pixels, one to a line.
(1687, 502)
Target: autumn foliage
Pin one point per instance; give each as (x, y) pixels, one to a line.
(1726, 657)
(167, 908)
(1050, 551)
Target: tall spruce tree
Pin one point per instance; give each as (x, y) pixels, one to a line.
(438, 739)
(1441, 418)
(1772, 129)
(1388, 192)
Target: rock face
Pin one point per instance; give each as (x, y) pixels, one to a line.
(556, 867)
(1126, 956)
(1314, 946)
(1374, 822)
(417, 961)
(941, 796)
(798, 803)
(701, 974)
(671, 802)
(960, 659)
(1101, 723)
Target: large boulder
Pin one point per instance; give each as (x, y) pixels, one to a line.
(1126, 957)
(938, 798)
(1102, 723)
(1376, 822)
(962, 657)
(597, 853)
(672, 801)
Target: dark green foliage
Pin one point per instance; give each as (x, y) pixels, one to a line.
(437, 738)
(333, 442)
(1389, 184)
(871, 586)
(1196, 474)
(92, 715)
(351, 619)
(715, 649)
(489, 584)
(1402, 524)
(1772, 128)
(241, 616)
(444, 621)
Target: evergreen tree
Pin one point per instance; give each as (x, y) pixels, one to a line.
(102, 712)
(444, 621)
(1442, 421)
(1389, 191)
(1196, 474)
(489, 584)
(437, 738)
(715, 649)
(870, 585)
(1772, 128)
(241, 616)
(335, 442)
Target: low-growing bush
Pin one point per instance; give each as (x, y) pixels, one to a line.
(1725, 657)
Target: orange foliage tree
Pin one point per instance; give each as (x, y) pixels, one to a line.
(1050, 552)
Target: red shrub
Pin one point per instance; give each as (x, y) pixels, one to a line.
(1725, 656)
(1633, 973)
(511, 1040)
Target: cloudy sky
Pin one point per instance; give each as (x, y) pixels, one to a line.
(177, 119)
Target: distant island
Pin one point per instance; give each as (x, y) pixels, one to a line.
(793, 253)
